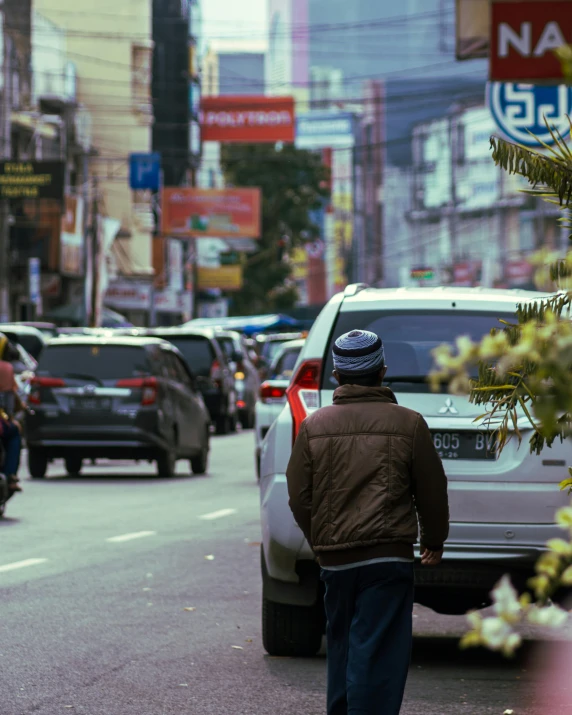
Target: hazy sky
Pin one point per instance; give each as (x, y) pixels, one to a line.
(234, 19)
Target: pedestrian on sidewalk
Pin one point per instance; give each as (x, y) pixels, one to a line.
(362, 474)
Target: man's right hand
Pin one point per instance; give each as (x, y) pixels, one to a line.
(430, 558)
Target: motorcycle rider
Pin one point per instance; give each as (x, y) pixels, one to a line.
(10, 404)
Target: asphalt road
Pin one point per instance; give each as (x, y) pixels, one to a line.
(96, 574)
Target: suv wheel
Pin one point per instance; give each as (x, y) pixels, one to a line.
(37, 463)
(166, 464)
(73, 466)
(291, 630)
(200, 463)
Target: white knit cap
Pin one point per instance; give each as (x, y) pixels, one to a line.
(358, 353)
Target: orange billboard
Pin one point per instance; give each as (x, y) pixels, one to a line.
(223, 213)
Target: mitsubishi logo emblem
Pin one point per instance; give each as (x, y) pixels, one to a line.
(448, 408)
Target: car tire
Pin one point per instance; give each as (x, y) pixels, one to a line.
(200, 463)
(222, 424)
(37, 463)
(73, 466)
(294, 631)
(166, 464)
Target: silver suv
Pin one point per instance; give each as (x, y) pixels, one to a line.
(502, 506)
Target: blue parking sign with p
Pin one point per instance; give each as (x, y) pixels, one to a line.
(145, 172)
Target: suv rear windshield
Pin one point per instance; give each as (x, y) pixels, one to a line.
(197, 351)
(101, 362)
(409, 338)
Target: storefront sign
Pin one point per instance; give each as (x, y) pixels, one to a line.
(251, 119)
(472, 35)
(467, 273)
(192, 213)
(519, 272)
(71, 237)
(123, 295)
(320, 130)
(422, 274)
(524, 36)
(228, 278)
(520, 108)
(32, 180)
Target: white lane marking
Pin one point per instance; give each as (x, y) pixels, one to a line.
(129, 537)
(217, 514)
(22, 564)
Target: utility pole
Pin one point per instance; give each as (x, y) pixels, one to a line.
(95, 317)
(5, 131)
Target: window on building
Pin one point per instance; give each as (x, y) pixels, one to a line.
(527, 241)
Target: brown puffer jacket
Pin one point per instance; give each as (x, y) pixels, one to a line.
(362, 472)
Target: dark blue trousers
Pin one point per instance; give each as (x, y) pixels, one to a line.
(369, 634)
(12, 442)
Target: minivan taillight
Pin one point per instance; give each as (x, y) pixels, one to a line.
(37, 383)
(147, 384)
(271, 393)
(304, 392)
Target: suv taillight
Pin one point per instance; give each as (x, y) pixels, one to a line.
(271, 393)
(37, 383)
(304, 392)
(147, 384)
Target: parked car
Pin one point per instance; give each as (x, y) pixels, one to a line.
(272, 396)
(268, 346)
(30, 338)
(49, 330)
(120, 398)
(207, 360)
(502, 505)
(246, 378)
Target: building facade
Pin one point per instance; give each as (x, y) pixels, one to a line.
(113, 53)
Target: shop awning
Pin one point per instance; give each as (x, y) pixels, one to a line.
(247, 324)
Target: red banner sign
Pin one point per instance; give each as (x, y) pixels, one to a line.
(247, 119)
(222, 213)
(524, 36)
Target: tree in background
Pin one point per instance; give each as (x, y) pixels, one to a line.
(525, 372)
(294, 182)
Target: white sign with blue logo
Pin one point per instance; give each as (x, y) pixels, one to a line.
(145, 172)
(517, 108)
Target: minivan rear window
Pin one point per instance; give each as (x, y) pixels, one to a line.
(196, 350)
(100, 362)
(409, 337)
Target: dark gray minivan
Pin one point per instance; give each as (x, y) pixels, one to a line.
(115, 398)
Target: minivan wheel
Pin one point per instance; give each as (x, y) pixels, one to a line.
(37, 463)
(166, 464)
(294, 631)
(73, 466)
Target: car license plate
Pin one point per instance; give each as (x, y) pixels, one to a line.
(464, 445)
(90, 403)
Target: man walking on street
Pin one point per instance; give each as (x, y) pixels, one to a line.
(362, 474)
